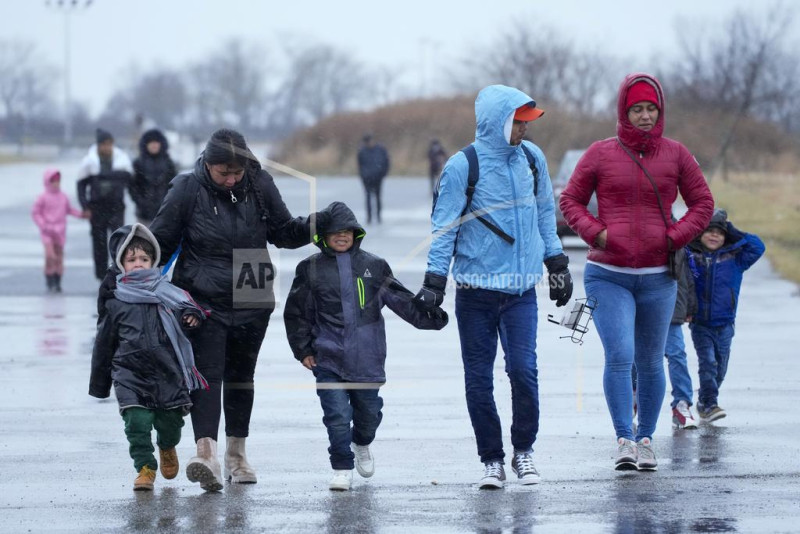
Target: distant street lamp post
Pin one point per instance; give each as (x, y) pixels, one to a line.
(68, 7)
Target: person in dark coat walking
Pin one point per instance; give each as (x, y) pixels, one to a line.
(152, 172)
(223, 211)
(373, 166)
(104, 173)
(437, 157)
(336, 330)
(141, 349)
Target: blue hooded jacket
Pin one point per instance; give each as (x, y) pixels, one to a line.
(505, 194)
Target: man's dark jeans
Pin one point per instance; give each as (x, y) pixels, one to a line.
(341, 406)
(483, 316)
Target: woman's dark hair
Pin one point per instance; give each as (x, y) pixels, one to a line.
(228, 146)
(140, 243)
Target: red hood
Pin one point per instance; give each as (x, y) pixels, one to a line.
(630, 135)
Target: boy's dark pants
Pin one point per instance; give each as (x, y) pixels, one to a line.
(138, 424)
(713, 347)
(340, 406)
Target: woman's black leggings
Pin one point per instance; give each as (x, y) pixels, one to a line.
(226, 356)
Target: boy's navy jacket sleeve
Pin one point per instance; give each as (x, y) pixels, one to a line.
(399, 300)
(299, 313)
(105, 345)
(752, 250)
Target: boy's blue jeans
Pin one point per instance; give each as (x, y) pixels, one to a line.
(713, 346)
(679, 377)
(483, 316)
(632, 317)
(342, 406)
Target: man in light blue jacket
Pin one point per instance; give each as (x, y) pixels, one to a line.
(498, 240)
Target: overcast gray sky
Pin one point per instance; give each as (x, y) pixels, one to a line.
(109, 36)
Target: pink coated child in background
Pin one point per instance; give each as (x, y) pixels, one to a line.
(50, 215)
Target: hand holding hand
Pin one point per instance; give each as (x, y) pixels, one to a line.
(560, 279)
(432, 293)
(309, 362)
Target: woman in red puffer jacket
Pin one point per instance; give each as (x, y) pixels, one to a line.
(629, 244)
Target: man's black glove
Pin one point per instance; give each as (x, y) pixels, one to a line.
(432, 292)
(560, 279)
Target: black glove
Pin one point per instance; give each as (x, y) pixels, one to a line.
(432, 292)
(560, 279)
(440, 316)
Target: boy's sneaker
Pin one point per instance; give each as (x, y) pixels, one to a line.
(145, 480)
(710, 413)
(169, 463)
(342, 479)
(522, 465)
(365, 463)
(682, 416)
(627, 455)
(493, 476)
(646, 456)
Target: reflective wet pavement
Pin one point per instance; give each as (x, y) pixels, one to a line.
(65, 466)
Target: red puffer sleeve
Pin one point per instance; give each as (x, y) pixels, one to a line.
(695, 192)
(577, 194)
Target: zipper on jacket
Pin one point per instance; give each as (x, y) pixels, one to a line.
(710, 263)
(234, 200)
(361, 292)
(516, 220)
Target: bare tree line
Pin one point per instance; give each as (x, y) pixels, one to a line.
(746, 66)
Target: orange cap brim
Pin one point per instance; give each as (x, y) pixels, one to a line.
(528, 114)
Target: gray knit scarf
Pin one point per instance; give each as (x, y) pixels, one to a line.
(148, 286)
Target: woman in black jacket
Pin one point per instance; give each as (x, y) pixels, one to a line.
(226, 208)
(152, 171)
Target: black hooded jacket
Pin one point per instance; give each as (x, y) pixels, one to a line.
(133, 352)
(151, 175)
(203, 218)
(333, 311)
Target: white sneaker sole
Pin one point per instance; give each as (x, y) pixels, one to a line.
(716, 417)
(339, 487)
(647, 467)
(626, 465)
(527, 480)
(241, 479)
(490, 483)
(688, 426)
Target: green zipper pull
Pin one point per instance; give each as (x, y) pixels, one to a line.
(360, 284)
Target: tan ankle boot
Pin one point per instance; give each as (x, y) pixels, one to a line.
(237, 470)
(169, 462)
(145, 480)
(204, 468)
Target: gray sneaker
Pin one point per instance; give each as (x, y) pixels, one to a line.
(493, 476)
(647, 456)
(626, 455)
(712, 413)
(522, 465)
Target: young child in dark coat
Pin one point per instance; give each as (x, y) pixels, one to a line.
(335, 329)
(718, 259)
(141, 349)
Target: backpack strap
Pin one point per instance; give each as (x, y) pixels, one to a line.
(534, 169)
(472, 180)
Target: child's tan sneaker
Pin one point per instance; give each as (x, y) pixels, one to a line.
(169, 463)
(145, 480)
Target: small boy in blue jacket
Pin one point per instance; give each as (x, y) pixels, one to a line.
(718, 258)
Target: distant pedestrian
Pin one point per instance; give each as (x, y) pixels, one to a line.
(636, 176)
(103, 176)
(141, 349)
(675, 350)
(50, 215)
(335, 329)
(152, 172)
(373, 166)
(718, 259)
(436, 160)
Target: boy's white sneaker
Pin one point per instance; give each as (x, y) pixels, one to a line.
(365, 463)
(342, 480)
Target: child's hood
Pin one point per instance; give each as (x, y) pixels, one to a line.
(123, 235)
(341, 218)
(49, 176)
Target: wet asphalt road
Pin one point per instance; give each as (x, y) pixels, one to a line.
(65, 466)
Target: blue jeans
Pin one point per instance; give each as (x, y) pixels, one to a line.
(340, 407)
(632, 318)
(713, 346)
(483, 316)
(679, 378)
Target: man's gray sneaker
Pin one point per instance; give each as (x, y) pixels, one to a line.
(522, 465)
(493, 476)
(710, 413)
(626, 455)
(647, 456)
